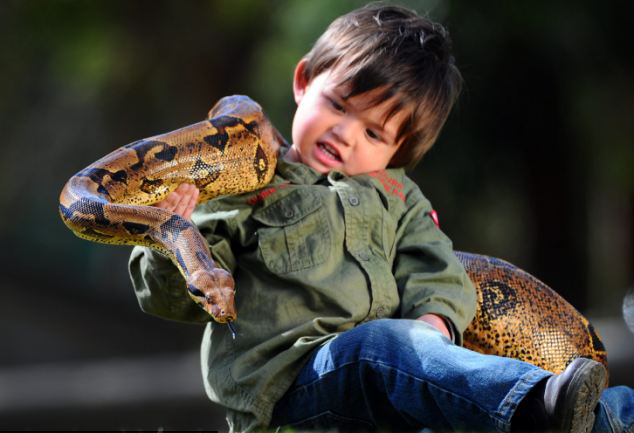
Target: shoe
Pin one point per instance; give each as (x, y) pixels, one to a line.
(564, 402)
(570, 397)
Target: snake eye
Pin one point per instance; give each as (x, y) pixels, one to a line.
(196, 292)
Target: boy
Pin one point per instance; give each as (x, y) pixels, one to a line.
(341, 238)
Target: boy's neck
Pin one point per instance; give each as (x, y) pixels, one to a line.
(292, 155)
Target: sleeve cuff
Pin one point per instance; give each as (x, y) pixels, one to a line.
(452, 330)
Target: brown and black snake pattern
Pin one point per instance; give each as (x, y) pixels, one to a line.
(518, 316)
(235, 150)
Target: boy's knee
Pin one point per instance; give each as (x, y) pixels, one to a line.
(391, 336)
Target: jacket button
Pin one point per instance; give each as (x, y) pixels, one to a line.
(354, 200)
(289, 213)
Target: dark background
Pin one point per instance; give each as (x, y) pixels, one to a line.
(534, 166)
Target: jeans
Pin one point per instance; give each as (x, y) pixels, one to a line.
(615, 412)
(404, 375)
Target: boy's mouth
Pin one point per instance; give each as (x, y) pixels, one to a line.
(330, 151)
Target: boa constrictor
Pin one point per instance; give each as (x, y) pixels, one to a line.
(235, 151)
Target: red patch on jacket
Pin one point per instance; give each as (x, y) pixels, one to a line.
(261, 195)
(434, 217)
(390, 185)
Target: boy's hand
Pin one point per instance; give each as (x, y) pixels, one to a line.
(437, 322)
(181, 201)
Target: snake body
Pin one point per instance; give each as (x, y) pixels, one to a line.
(518, 316)
(235, 151)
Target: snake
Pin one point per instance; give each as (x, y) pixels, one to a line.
(518, 316)
(234, 150)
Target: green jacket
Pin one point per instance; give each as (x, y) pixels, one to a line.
(312, 256)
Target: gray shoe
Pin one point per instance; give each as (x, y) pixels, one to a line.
(570, 397)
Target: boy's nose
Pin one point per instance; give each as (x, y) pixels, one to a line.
(345, 131)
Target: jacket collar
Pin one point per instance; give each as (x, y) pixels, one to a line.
(296, 172)
(387, 181)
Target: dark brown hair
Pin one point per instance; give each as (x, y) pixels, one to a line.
(403, 54)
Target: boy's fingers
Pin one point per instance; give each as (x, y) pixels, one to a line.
(187, 200)
(183, 188)
(182, 204)
(181, 201)
(193, 200)
(169, 202)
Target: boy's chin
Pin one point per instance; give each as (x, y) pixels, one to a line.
(319, 167)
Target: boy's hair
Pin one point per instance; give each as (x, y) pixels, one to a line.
(404, 55)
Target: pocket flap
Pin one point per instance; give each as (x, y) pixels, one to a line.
(290, 209)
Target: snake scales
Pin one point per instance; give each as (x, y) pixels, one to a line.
(234, 151)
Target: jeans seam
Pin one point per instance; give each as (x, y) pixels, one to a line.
(616, 424)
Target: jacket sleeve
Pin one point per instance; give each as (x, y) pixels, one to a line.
(428, 274)
(159, 286)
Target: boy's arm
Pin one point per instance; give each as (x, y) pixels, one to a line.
(433, 284)
(160, 288)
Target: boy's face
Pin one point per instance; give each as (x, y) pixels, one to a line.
(347, 135)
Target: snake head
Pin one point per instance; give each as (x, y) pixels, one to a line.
(214, 292)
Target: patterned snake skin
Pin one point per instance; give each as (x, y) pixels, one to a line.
(235, 151)
(518, 316)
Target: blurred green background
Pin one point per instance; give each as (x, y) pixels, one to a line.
(534, 166)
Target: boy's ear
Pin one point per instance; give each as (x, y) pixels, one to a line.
(299, 81)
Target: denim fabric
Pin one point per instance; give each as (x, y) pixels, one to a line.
(403, 375)
(615, 412)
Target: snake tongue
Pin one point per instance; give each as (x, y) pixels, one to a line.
(232, 329)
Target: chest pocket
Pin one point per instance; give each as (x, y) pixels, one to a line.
(295, 234)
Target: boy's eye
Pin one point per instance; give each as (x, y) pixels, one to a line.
(373, 135)
(337, 106)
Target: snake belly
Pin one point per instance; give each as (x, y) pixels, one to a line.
(518, 316)
(233, 151)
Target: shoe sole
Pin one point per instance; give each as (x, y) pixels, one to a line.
(584, 392)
